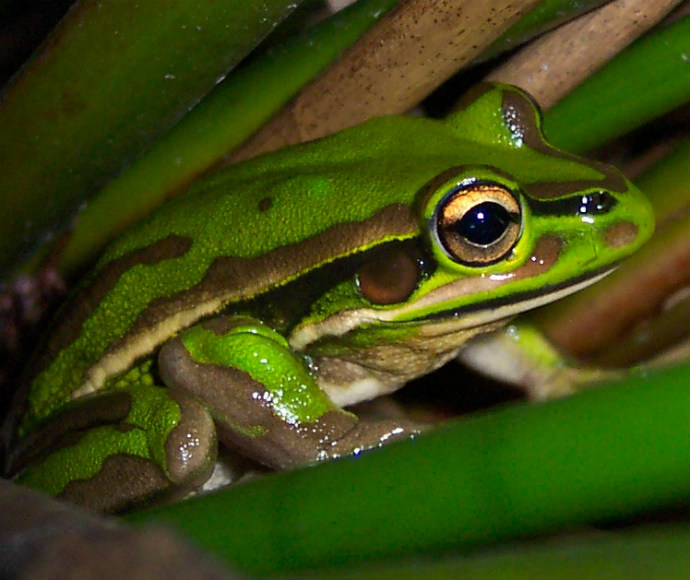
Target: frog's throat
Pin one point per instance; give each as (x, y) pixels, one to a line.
(444, 322)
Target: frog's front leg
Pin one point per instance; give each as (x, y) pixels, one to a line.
(120, 447)
(520, 354)
(263, 397)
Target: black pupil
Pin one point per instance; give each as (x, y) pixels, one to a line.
(484, 224)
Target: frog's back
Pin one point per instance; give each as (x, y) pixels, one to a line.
(239, 233)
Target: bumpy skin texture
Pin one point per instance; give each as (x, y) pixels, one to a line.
(341, 269)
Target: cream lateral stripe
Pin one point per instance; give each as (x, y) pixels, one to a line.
(138, 346)
(338, 325)
(141, 341)
(344, 322)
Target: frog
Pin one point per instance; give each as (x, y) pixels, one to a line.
(252, 311)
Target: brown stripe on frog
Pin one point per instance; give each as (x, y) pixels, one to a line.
(473, 94)
(77, 310)
(335, 328)
(80, 307)
(67, 427)
(120, 478)
(544, 256)
(521, 115)
(229, 279)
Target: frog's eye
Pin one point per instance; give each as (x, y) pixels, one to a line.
(478, 223)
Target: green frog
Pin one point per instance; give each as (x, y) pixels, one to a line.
(255, 308)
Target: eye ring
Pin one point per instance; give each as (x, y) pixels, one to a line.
(478, 223)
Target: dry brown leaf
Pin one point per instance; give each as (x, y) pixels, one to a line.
(411, 51)
(552, 66)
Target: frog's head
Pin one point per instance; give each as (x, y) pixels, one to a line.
(513, 225)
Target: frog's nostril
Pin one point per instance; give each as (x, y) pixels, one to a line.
(621, 234)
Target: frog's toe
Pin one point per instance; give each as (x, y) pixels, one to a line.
(127, 478)
(191, 447)
(140, 444)
(369, 434)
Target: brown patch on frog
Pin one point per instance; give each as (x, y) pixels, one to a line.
(543, 257)
(121, 478)
(124, 479)
(521, 115)
(265, 204)
(390, 365)
(548, 190)
(621, 234)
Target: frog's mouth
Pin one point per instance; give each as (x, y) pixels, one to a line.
(507, 306)
(446, 321)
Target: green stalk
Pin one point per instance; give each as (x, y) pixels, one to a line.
(111, 77)
(218, 124)
(667, 182)
(654, 551)
(515, 472)
(547, 15)
(643, 82)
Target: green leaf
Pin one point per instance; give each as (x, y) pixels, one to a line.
(547, 15)
(220, 122)
(514, 472)
(111, 77)
(653, 551)
(648, 79)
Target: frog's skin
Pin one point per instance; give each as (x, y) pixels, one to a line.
(256, 306)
